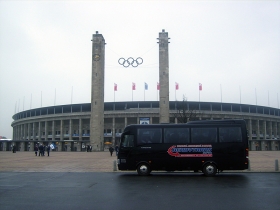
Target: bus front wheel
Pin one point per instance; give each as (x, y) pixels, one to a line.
(143, 169)
(209, 169)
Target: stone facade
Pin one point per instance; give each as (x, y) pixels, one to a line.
(68, 126)
(97, 92)
(163, 77)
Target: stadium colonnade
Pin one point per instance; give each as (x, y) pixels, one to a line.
(68, 126)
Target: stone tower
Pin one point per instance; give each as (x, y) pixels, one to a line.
(97, 92)
(163, 77)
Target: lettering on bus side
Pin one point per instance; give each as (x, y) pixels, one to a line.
(200, 150)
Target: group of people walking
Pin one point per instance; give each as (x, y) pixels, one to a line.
(41, 149)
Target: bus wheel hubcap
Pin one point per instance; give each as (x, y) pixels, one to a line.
(210, 169)
(143, 169)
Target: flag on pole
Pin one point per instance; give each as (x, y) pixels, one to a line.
(176, 86)
(146, 86)
(115, 87)
(200, 86)
(133, 86)
(157, 86)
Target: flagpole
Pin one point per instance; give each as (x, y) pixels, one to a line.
(31, 101)
(240, 93)
(221, 94)
(54, 96)
(256, 96)
(277, 101)
(71, 94)
(144, 90)
(268, 97)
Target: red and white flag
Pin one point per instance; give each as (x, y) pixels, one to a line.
(176, 86)
(200, 86)
(133, 86)
(115, 87)
(157, 86)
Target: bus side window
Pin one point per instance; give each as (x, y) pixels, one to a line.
(176, 135)
(149, 136)
(128, 141)
(204, 135)
(230, 134)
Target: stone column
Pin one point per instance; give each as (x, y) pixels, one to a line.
(24, 131)
(80, 129)
(61, 130)
(97, 92)
(21, 132)
(250, 129)
(258, 129)
(53, 130)
(39, 131)
(270, 129)
(70, 129)
(33, 132)
(113, 132)
(46, 130)
(163, 77)
(264, 130)
(28, 131)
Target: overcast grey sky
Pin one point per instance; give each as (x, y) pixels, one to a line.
(231, 47)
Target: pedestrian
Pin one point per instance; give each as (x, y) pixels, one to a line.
(36, 149)
(111, 149)
(41, 147)
(117, 149)
(14, 148)
(48, 150)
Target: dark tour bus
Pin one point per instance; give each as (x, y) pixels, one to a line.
(209, 146)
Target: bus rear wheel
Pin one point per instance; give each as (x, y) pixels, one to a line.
(143, 169)
(209, 169)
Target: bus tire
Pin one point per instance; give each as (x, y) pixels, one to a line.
(209, 169)
(143, 169)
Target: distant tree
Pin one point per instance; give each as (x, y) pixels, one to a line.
(184, 114)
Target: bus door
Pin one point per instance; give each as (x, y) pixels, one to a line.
(127, 148)
(150, 147)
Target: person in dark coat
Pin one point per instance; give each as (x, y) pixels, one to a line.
(36, 149)
(111, 149)
(14, 148)
(41, 148)
(48, 150)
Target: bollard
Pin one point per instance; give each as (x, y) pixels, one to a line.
(276, 165)
(115, 165)
(249, 165)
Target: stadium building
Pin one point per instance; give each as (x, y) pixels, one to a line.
(68, 126)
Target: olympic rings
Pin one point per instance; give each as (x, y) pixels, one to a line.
(130, 61)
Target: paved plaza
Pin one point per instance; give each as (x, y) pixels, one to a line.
(260, 161)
